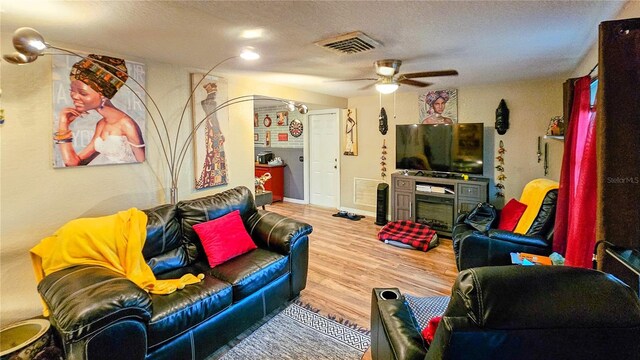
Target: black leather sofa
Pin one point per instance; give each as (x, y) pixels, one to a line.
(99, 314)
(473, 248)
(516, 312)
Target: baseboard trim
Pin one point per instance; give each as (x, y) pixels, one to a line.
(295, 201)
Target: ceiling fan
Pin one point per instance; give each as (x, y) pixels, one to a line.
(387, 81)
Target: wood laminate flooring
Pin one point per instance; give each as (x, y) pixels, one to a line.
(346, 261)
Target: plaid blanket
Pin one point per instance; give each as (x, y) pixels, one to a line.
(418, 236)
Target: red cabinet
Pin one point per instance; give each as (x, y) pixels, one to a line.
(276, 183)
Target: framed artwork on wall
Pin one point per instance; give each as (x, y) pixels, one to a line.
(82, 90)
(283, 118)
(283, 137)
(351, 133)
(209, 159)
(438, 107)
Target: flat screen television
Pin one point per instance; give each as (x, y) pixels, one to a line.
(440, 148)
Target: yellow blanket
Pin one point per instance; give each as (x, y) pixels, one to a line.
(114, 242)
(532, 195)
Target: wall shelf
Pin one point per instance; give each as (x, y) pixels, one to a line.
(555, 137)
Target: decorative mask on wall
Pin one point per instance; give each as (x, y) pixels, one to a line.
(502, 118)
(382, 121)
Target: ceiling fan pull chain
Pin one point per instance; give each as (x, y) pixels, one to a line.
(394, 107)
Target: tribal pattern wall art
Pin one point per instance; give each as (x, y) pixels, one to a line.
(351, 133)
(210, 163)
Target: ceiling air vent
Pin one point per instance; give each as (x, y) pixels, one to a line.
(351, 43)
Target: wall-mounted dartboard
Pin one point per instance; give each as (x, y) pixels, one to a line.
(295, 128)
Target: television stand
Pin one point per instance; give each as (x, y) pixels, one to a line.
(435, 201)
(440, 174)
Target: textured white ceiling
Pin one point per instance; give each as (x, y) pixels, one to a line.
(486, 41)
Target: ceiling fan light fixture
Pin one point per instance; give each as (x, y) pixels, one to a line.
(386, 71)
(387, 67)
(386, 87)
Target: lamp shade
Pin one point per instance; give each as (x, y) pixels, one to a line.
(249, 53)
(29, 42)
(302, 108)
(17, 58)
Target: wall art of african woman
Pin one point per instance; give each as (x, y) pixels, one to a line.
(438, 107)
(99, 115)
(210, 164)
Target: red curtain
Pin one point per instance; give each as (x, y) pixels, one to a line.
(575, 225)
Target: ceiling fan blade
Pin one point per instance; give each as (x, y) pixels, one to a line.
(414, 83)
(372, 79)
(428, 74)
(367, 86)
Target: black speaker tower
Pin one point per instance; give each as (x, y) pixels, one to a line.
(382, 203)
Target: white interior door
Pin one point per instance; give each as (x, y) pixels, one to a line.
(324, 155)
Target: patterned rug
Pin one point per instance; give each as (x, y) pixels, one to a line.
(301, 332)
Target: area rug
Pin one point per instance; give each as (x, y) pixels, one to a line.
(301, 332)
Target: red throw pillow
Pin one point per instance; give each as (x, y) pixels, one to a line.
(224, 238)
(431, 328)
(511, 214)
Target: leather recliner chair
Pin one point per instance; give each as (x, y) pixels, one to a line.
(473, 248)
(516, 312)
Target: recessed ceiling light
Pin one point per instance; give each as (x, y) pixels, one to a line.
(252, 33)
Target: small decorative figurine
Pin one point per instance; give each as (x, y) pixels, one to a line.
(556, 126)
(260, 181)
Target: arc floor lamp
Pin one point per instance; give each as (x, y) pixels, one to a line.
(30, 45)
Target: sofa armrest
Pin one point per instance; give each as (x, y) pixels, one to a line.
(394, 332)
(276, 232)
(86, 299)
(476, 249)
(460, 218)
(526, 240)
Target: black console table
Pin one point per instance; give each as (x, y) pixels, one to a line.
(435, 200)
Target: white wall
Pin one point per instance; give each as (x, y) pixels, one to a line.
(531, 105)
(630, 10)
(36, 199)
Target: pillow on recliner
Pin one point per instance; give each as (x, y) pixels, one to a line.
(511, 214)
(224, 238)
